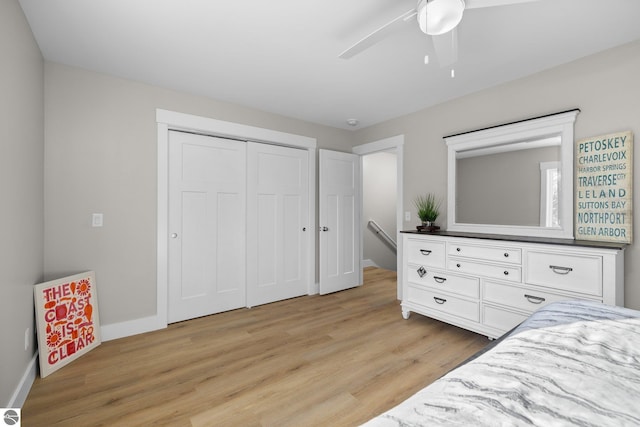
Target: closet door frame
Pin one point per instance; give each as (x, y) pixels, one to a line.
(171, 120)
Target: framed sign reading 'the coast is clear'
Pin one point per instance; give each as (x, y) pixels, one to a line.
(604, 191)
(67, 320)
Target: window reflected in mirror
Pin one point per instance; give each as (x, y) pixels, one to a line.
(549, 194)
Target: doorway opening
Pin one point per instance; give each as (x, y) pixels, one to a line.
(392, 146)
(379, 200)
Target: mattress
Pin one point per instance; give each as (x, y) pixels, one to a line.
(570, 363)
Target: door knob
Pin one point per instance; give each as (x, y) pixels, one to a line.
(174, 235)
(325, 229)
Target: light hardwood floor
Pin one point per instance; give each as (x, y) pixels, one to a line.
(333, 360)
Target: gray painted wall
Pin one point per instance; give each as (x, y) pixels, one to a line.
(21, 169)
(603, 86)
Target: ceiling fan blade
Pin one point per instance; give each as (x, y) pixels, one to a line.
(474, 4)
(377, 35)
(446, 47)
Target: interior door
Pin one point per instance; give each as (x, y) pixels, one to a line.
(207, 205)
(277, 223)
(339, 221)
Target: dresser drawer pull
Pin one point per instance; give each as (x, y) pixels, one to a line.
(425, 252)
(560, 270)
(506, 273)
(422, 271)
(534, 300)
(458, 249)
(458, 265)
(439, 279)
(506, 255)
(439, 300)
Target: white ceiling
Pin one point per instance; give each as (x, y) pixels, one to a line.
(281, 56)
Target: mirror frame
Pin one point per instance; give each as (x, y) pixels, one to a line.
(549, 126)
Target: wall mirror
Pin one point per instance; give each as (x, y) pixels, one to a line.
(514, 179)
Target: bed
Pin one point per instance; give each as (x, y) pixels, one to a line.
(570, 363)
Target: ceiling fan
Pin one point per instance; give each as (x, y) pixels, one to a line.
(436, 18)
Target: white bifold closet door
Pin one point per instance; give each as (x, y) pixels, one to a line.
(277, 223)
(238, 224)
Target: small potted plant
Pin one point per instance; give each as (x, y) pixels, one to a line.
(428, 211)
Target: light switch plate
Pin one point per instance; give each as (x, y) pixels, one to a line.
(407, 216)
(97, 220)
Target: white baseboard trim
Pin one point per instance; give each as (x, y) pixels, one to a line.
(368, 263)
(130, 327)
(22, 391)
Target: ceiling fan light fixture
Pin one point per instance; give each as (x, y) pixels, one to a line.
(437, 17)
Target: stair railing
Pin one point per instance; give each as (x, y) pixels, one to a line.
(383, 235)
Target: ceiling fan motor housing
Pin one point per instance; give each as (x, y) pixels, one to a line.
(437, 17)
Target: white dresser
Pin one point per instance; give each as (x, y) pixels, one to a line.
(489, 284)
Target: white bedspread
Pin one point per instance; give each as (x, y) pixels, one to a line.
(570, 363)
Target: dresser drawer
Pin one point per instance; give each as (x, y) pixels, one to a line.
(426, 252)
(466, 286)
(575, 273)
(498, 318)
(517, 297)
(486, 253)
(503, 272)
(443, 302)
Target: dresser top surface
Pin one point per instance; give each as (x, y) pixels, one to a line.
(524, 239)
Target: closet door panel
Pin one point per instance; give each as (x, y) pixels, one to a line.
(230, 252)
(194, 259)
(207, 216)
(277, 225)
(292, 216)
(267, 241)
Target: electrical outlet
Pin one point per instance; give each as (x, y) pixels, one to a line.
(407, 216)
